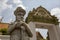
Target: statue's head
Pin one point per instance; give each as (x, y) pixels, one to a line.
(19, 13)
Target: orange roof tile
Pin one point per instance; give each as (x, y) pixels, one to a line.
(3, 25)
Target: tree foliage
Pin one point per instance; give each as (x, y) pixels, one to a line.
(3, 31)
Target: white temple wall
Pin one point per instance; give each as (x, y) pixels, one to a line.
(32, 27)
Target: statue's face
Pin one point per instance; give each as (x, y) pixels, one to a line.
(20, 16)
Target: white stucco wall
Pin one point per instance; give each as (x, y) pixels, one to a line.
(32, 28)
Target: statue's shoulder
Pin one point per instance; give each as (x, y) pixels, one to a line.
(13, 23)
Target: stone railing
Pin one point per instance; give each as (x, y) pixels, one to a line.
(4, 37)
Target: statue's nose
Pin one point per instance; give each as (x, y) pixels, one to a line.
(21, 16)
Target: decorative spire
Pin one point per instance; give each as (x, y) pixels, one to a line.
(1, 19)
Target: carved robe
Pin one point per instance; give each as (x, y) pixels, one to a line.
(19, 31)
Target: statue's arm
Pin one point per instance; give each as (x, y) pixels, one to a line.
(11, 28)
(28, 29)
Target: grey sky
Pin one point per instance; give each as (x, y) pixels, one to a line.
(7, 6)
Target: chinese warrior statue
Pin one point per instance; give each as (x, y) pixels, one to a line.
(19, 30)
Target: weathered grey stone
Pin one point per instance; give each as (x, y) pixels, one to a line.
(19, 30)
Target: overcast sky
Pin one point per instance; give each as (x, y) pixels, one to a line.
(7, 7)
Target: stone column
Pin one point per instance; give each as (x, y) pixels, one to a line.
(53, 33)
(33, 27)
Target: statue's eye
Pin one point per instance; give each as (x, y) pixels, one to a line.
(20, 14)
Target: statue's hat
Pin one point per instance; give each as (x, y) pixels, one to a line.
(19, 9)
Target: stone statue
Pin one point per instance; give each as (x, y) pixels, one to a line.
(19, 30)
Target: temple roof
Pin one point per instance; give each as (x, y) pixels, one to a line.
(3, 25)
(40, 14)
